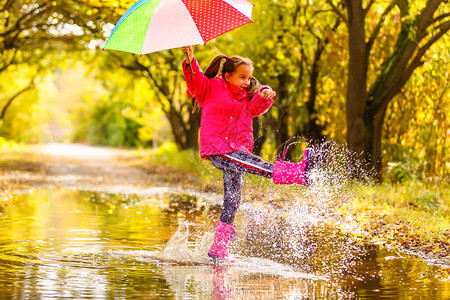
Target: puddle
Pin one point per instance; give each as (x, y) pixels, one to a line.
(63, 243)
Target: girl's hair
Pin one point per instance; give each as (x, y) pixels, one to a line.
(229, 66)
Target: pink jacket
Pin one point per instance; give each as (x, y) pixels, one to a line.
(227, 112)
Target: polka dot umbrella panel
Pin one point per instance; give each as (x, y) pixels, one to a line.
(154, 25)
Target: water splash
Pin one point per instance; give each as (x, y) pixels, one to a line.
(179, 248)
(292, 223)
(180, 251)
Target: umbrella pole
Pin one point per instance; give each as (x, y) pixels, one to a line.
(189, 61)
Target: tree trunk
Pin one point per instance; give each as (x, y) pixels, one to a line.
(259, 135)
(372, 157)
(281, 129)
(357, 128)
(312, 130)
(192, 132)
(185, 134)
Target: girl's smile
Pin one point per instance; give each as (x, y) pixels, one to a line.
(240, 77)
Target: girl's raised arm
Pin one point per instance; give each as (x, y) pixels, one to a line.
(261, 101)
(197, 83)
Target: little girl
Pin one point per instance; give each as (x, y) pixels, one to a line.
(229, 102)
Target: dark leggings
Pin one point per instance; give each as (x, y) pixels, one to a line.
(234, 165)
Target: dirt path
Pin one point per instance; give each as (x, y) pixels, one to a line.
(83, 167)
(68, 164)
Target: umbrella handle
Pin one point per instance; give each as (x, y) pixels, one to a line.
(189, 61)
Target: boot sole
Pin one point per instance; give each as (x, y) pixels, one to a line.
(310, 156)
(218, 260)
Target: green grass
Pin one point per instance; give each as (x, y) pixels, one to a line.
(187, 165)
(424, 208)
(411, 216)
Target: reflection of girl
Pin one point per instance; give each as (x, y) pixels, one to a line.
(229, 102)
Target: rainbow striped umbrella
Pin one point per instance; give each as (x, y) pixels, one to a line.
(154, 25)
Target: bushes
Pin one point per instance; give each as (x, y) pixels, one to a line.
(107, 124)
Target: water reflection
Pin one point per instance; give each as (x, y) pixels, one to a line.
(73, 244)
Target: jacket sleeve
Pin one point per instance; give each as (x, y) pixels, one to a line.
(259, 104)
(197, 83)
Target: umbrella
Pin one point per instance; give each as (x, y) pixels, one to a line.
(154, 25)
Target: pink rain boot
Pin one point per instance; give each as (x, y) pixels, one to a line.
(222, 239)
(288, 173)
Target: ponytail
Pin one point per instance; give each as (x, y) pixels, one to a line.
(211, 72)
(214, 66)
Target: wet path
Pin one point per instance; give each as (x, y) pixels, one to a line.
(106, 238)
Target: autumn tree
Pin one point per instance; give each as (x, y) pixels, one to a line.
(416, 129)
(420, 24)
(31, 30)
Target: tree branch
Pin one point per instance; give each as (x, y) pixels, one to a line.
(7, 64)
(426, 16)
(163, 91)
(377, 29)
(334, 29)
(336, 10)
(441, 17)
(16, 26)
(366, 10)
(417, 60)
(7, 5)
(10, 101)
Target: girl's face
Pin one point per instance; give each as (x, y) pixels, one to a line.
(240, 77)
